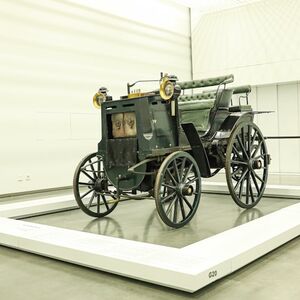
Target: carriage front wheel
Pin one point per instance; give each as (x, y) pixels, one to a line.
(247, 163)
(93, 192)
(177, 189)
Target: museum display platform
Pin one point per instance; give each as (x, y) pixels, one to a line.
(286, 186)
(211, 247)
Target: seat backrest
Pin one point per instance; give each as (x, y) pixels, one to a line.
(196, 109)
(200, 109)
(243, 89)
(224, 98)
(214, 81)
(199, 96)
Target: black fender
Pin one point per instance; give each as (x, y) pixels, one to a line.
(236, 118)
(198, 150)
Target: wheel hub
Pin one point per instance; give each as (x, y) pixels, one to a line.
(100, 185)
(257, 164)
(184, 190)
(254, 164)
(187, 190)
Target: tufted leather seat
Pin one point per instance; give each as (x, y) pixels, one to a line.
(196, 111)
(244, 89)
(196, 104)
(201, 96)
(192, 84)
(196, 108)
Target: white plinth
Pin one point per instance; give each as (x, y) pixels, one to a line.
(36, 207)
(272, 190)
(189, 268)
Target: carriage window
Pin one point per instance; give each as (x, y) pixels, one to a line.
(122, 125)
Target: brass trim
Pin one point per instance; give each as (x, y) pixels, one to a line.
(163, 83)
(136, 95)
(96, 101)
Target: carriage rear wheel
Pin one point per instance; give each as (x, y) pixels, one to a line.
(247, 163)
(93, 192)
(177, 189)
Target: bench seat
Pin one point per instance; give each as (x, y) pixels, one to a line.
(196, 112)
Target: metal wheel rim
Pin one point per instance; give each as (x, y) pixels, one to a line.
(174, 208)
(245, 148)
(88, 174)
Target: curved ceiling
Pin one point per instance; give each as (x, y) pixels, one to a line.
(213, 5)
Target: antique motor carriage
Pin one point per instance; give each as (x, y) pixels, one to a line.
(161, 143)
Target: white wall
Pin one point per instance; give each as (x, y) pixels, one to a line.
(54, 55)
(284, 101)
(284, 120)
(258, 42)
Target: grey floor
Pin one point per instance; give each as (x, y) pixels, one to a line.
(274, 276)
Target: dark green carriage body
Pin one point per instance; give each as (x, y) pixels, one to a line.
(155, 129)
(158, 132)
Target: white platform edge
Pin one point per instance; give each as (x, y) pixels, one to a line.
(272, 190)
(188, 269)
(37, 206)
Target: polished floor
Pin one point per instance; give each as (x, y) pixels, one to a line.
(274, 276)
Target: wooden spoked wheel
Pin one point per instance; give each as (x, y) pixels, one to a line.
(177, 189)
(247, 164)
(93, 192)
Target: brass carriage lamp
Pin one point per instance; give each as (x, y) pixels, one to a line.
(100, 97)
(167, 86)
(169, 91)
